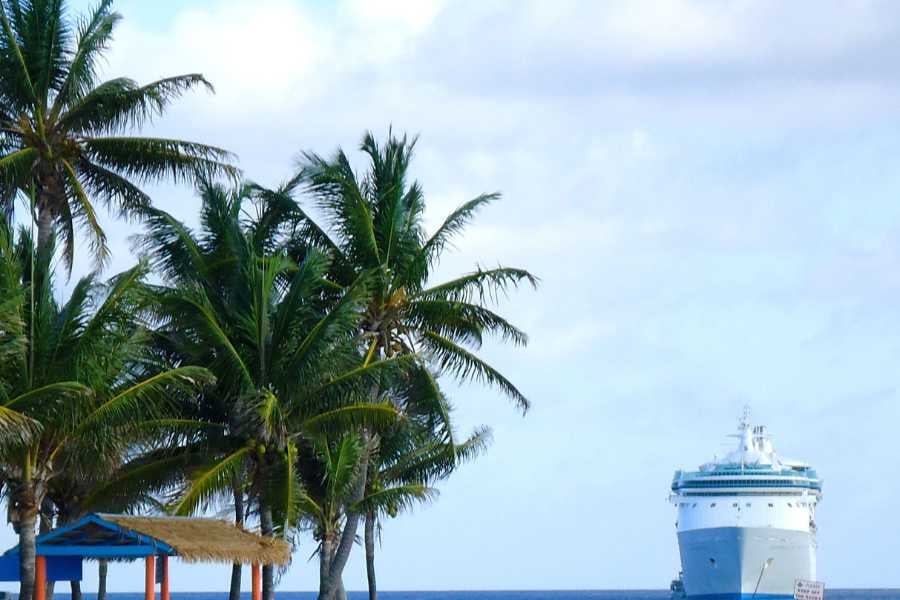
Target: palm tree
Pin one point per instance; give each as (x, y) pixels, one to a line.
(373, 224)
(403, 470)
(330, 472)
(81, 371)
(63, 133)
(282, 343)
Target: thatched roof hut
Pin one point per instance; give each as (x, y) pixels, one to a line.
(207, 540)
(127, 537)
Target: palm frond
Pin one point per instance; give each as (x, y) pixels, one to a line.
(16, 428)
(465, 366)
(84, 211)
(337, 192)
(151, 159)
(374, 416)
(480, 285)
(171, 248)
(94, 35)
(395, 499)
(16, 167)
(342, 466)
(464, 322)
(113, 190)
(46, 394)
(453, 225)
(120, 104)
(147, 398)
(213, 480)
(18, 84)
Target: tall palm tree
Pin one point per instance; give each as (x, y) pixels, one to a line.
(282, 343)
(374, 223)
(330, 471)
(82, 371)
(64, 134)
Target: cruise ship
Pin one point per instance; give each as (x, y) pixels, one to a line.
(746, 522)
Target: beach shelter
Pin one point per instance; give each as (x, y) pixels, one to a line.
(61, 552)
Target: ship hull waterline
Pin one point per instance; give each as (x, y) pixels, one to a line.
(730, 563)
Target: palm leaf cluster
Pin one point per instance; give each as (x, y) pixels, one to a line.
(65, 140)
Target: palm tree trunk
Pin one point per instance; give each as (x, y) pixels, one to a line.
(102, 570)
(266, 528)
(27, 521)
(235, 591)
(76, 590)
(342, 553)
(326, 554)
(370, 554)
(45, 225)
(340, 593)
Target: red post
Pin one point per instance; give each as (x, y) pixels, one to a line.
(164, 589)
(257, 582)
(40, 578)
(150, 578)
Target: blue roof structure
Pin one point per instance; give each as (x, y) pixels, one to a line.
(95, 537)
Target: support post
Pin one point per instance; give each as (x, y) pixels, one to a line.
(40, 578)
(150, 578)
(257, 582)
(164, 584)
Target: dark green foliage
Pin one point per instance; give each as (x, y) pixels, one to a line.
(61, 130)
(373, 223)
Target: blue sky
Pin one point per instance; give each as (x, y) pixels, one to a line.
(710, 193)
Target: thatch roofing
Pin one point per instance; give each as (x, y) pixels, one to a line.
(207, 540)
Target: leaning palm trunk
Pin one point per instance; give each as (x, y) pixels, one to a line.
(267, 528)
(235, 591)
(102, 570)
(27, 554)
(370, 554)
(330, 582)
(326, 555)
(326, 559)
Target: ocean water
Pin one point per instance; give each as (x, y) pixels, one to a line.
(856, 594)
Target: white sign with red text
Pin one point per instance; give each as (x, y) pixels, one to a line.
(809, 590)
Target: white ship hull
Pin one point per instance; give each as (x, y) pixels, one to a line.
(731, 563)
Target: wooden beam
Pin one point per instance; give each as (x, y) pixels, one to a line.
(164, 584)
(257, 582)
(150, 578)
(40, 578)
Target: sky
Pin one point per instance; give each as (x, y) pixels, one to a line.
(710, 194)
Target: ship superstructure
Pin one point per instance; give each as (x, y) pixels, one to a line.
(746, 522)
